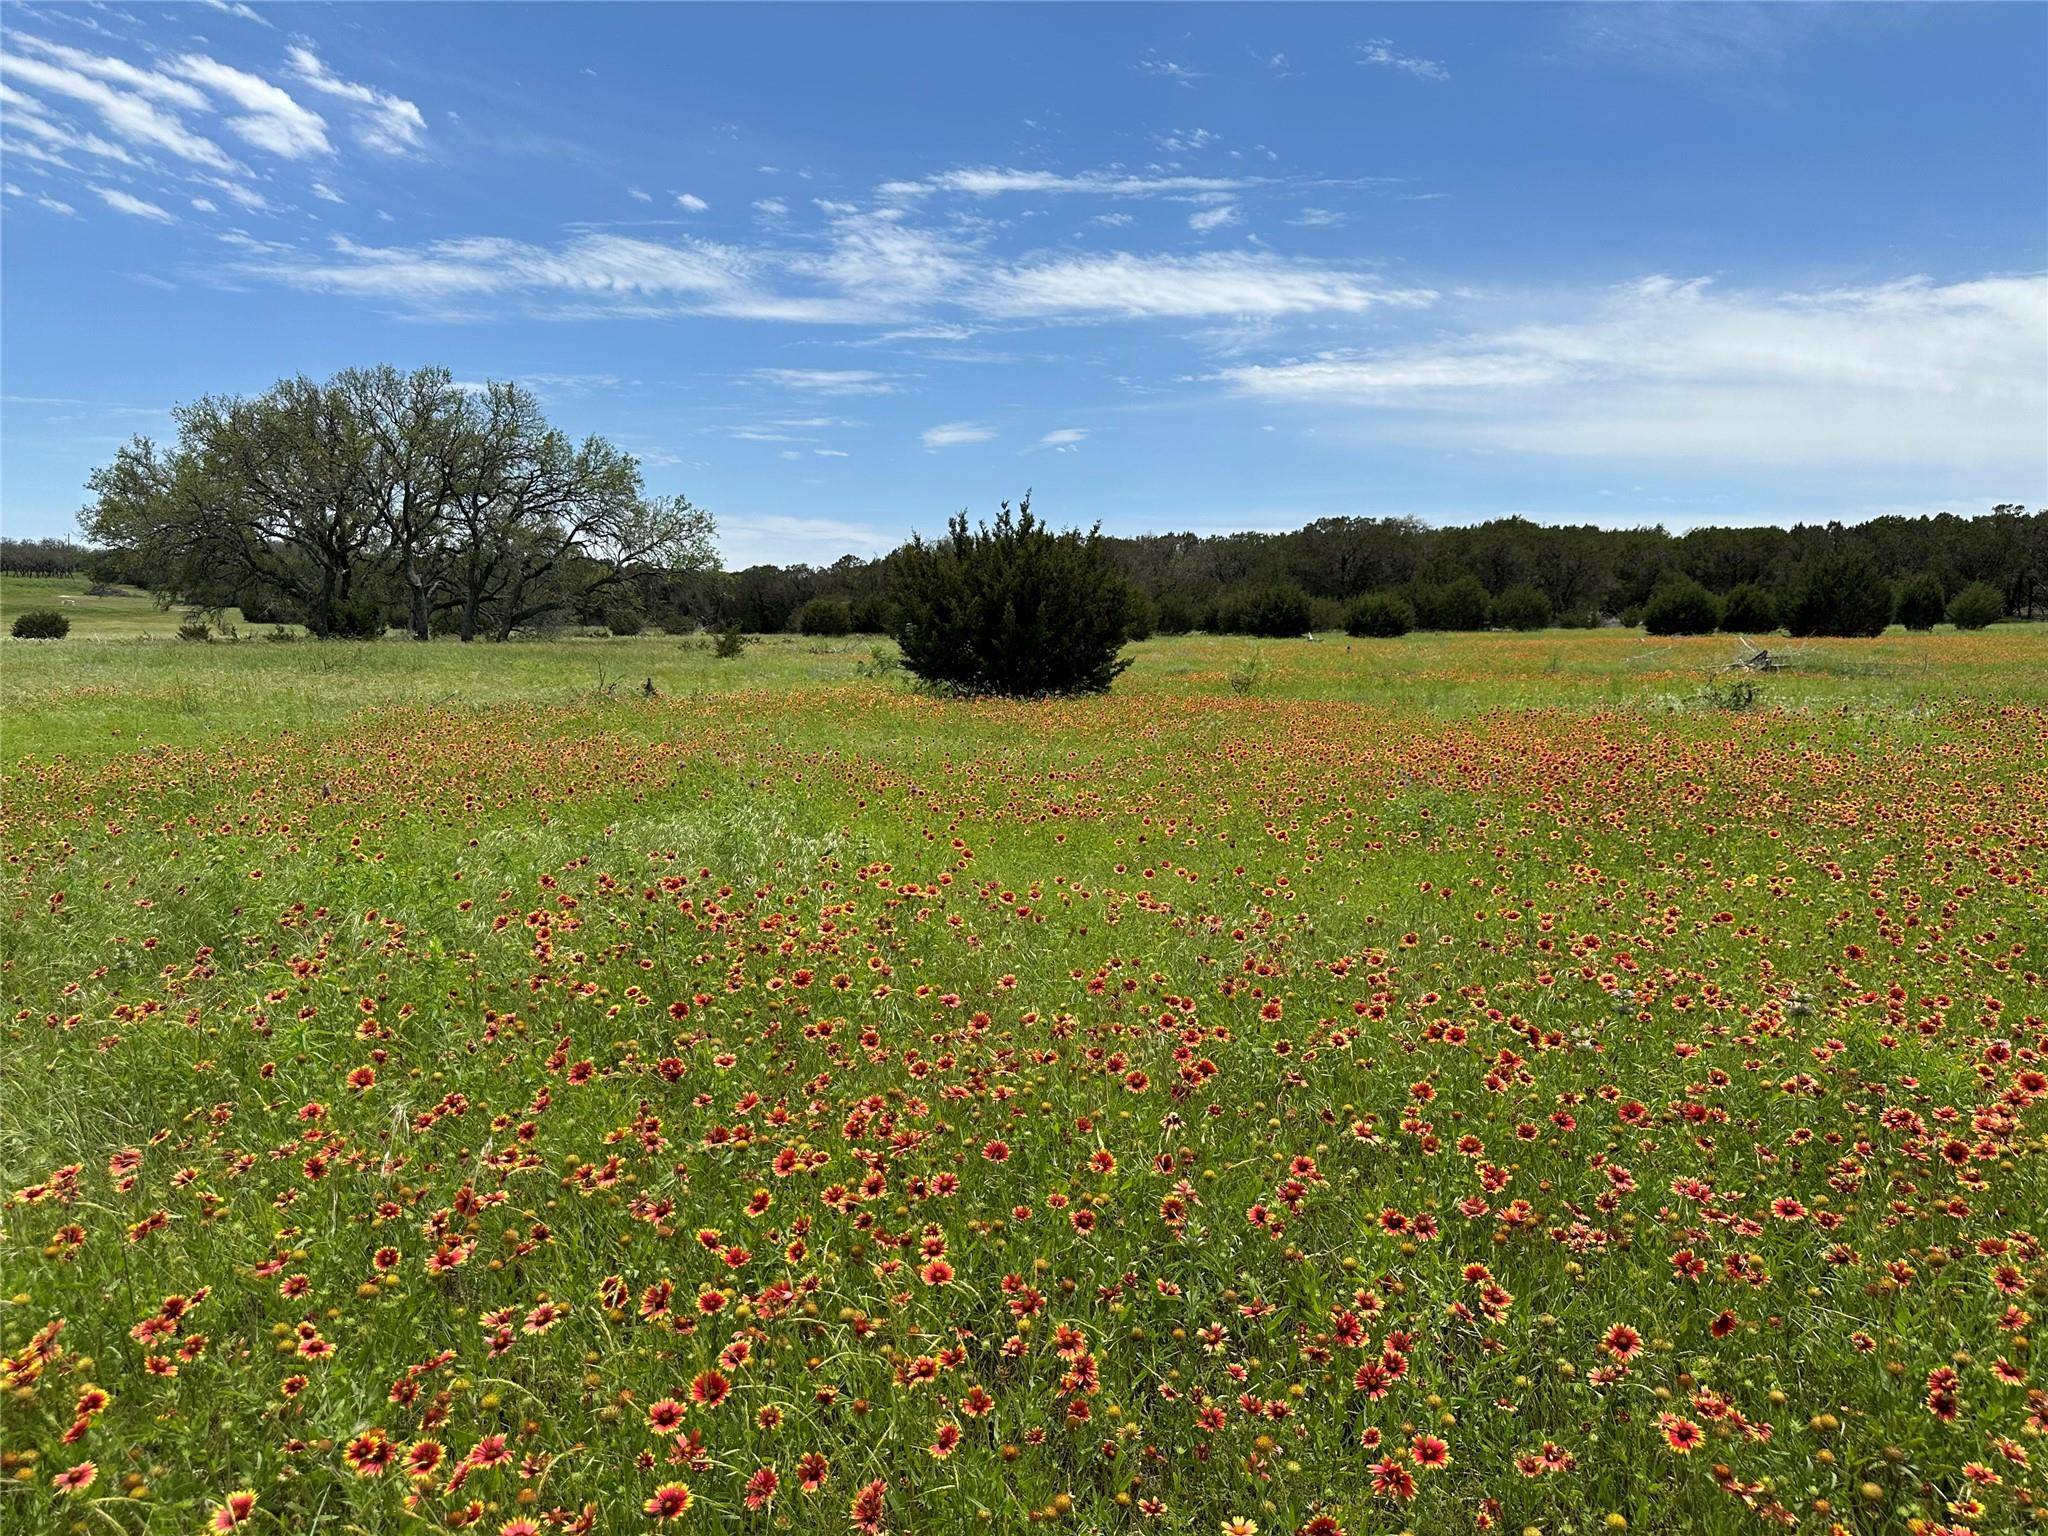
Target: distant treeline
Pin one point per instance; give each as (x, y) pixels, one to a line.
(56, 557)
(1508, 572)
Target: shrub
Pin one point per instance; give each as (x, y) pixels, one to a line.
(1922, 602)
(1749, 610)
(881, 662)
(729, 642)
(1457, 605)
(41, 624)
(623, 609)
(1011, 608)
(1844, 592)
(1143, 617)
(872, 616)
(1247, 673)
(1279, 611)
(1734, 695)
(1522, 607)
(825, 616)
(1175, 615)
(1380, 616)
(260, 607)
(1681, 606)
(359, 618)
(1975, 606)
(195, 631)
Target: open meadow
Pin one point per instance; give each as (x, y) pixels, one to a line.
(100, 611)
(1456, 1082)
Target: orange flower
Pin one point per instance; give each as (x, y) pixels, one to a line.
(671, 1501)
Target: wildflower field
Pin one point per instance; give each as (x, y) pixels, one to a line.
(1476, 1082)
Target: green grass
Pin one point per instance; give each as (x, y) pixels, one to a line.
(345, 942)
(90, 700)
(128, 613)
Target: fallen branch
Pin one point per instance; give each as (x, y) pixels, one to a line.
(1758, 659)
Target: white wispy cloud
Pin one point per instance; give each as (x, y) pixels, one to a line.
(1142, 287)
(40, 199)
(1219, 217)
(872, 269)
(586, 277)
(570, 385)
(1152, 63)
(161, 118)
(956, 434)
(829, 381)
(1378, 50)
(239, 192)
(52, 141)
(123, 202)
(271, 120)
(890, 266)
(234, 8)
(1731, 36)
(389, 124)
(120, 72)
(600, 269)
(690, 202)
(1911, 371)
(134, 105)
(995, 181)
(1064, 439)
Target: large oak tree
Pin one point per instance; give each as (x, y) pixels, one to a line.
(386, 490)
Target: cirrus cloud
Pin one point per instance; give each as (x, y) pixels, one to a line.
(271, 120)
(829, 381)
(956, 434)
(1151, 287)
(1909, 371)
(389, 124)
(123, 202)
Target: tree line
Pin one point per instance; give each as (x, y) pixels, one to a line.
(1505, 573)
(381, 499)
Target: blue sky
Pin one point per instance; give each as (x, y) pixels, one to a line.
(837, 271)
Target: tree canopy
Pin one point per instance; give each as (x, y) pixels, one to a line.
(383, 494)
